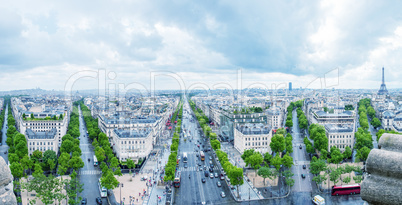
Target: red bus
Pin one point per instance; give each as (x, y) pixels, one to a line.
(177, 179)
(346, 189)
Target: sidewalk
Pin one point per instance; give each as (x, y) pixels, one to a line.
(133, 190)
(155, 164)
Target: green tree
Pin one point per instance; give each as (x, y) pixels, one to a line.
(320, 178)
(357, 178)
(67, 146)
(346, 180)
(130, 164)
(100, 154)
(12, 157)
(74, 188)
(76, 163)
(334, 175)
(49, 155)
(362, 154)
(324, 154)
(277, 143)
(376, 122)
(21, 149)
(36, 156)
(276, 162)
(63, 160)
(287, 161)
(317, 166)
(247, 153)
(288, 177)
(109, 181)
(255, 160)
(267, 157)
(336, 155)
(265, 172)
(347, 153)
(114, 163)
(235, 175)
(16, 170)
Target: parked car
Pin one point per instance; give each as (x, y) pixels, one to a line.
(222, 178)
(218, 183)
(210, 158)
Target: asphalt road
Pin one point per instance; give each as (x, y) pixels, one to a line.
(89, 174)
(4, 147)
(300, 159)
(192, 190)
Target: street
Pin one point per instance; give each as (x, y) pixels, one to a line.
(4, 146)
(300, 159)
(89, 174)
(192, 190)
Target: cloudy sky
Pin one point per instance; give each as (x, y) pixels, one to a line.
(214, 44)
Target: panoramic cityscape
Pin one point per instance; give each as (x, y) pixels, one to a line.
(193, 103)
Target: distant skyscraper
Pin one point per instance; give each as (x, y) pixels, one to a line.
(290, 86)
(383, 89)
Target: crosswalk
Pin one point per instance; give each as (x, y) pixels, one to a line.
(195, 168)
(89, 172)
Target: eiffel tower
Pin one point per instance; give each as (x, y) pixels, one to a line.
(383, 89)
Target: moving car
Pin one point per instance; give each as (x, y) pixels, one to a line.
(200, 169)
(185, 165)
(211, 176)
(206, 174)
(218, 183)
(216, 175)
(300, 147)
(222, 178)
(303, 176)
(212, 166)
(304, 166)
(203, 180)
(223, 194)
(211, 170)
(84, 201)
(98, 200)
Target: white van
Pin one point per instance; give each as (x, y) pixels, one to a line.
(318, 200)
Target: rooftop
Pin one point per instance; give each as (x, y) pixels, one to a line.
(141, 133)
(253, 129)
(51, 134)
(335, 128)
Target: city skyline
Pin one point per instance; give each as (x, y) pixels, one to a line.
(346, 43)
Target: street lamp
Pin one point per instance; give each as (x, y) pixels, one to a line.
(120, 185)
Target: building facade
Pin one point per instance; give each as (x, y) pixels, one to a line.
(133, 144)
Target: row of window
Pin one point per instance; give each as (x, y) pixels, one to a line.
(132, 142)
(340, 141)
(342, 146)
(40, 143)
(256, 143)
(44, 123)
(255, 138)
(343, 136)
(40, 148)
(132, 147)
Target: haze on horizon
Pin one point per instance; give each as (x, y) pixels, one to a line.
(340, 44)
